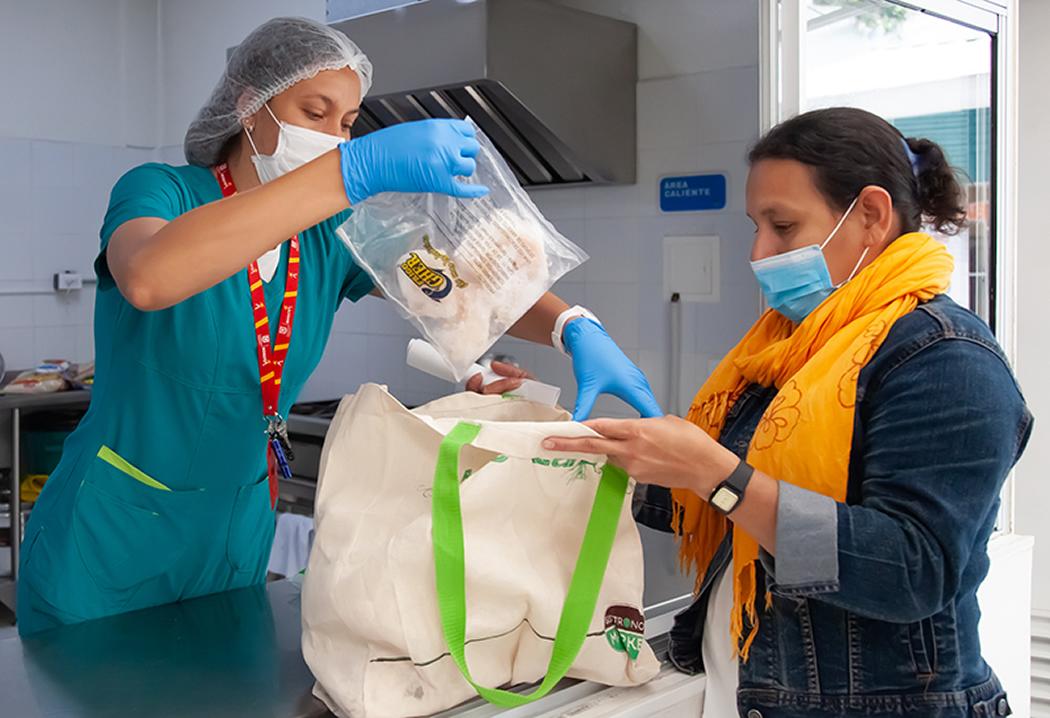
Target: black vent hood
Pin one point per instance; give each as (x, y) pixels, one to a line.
(554, 88)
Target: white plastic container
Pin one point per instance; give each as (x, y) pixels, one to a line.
(424, 357)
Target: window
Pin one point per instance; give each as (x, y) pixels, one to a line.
(931, 78)
(937, 69)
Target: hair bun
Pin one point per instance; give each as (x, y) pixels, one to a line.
(940, 195)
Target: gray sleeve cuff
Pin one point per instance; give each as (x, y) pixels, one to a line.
(807, 560)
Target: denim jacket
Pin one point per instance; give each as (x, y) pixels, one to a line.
(873, 605)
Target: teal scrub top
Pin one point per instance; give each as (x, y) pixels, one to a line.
(161, 493)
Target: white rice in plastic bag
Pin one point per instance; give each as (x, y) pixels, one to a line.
(463, 271)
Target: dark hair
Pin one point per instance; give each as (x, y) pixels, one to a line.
(228, 147)
(850, 149)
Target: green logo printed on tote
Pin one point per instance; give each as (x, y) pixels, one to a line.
(625, 630)
(579, 467)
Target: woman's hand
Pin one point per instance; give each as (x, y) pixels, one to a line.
(515, 377)
(601, 367)
(420, 156)
(674, 453)
(668, 452)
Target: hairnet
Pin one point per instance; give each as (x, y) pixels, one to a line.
(276, 55)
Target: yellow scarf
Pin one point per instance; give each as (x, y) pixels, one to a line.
(805, 435)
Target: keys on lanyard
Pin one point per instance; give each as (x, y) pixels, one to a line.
(281, 460)
(278, 454)
(280, 445)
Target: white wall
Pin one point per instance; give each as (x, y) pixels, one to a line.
(79, 91)
(53, 196)
(194, 37)
(79, 71)
(93, 88)
(1033, 327)
(697, 111)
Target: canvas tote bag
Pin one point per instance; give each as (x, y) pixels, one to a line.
(454, 556)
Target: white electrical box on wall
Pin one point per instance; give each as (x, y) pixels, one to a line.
(691, 268)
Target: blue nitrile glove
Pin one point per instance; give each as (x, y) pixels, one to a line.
(601, 367)
(423, 156)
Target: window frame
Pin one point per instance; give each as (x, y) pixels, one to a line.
(782, 49)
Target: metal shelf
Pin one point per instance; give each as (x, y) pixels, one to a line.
(8, 591)
(16, 404)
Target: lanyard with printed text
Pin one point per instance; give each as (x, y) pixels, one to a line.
(271, 360)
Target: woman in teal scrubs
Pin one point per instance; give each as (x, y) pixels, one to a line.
(163, 491)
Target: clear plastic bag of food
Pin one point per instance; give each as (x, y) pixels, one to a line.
(463, 271)
(49, 376)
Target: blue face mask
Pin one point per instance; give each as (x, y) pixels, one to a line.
(796, 282)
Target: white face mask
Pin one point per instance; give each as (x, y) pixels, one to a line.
(295, 147)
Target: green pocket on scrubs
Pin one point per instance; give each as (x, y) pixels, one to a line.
(118, 462)
(128, 532)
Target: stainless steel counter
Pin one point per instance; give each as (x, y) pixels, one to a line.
(231, 654)
(227, 655)
(53, 400)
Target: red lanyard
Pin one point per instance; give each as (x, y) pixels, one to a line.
(271, 362)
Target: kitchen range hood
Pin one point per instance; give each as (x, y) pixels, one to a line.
(552, 87)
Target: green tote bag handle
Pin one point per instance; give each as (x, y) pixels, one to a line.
(447, 535)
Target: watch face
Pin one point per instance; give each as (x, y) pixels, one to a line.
(724, 499)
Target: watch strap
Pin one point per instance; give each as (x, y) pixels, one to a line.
(736, 483)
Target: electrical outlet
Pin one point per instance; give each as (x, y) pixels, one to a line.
(68, 281)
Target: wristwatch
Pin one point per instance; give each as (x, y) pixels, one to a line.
(728, 494)
(564, 318)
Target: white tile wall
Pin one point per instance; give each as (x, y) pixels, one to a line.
(194, 37)
(52, 164)
(668, 112)
(341, 368)
(726, 97)
(53, 197)
(171, 154)
(17, 314)
(18, 345)
(614, 248)
(618, 304)
(91, 77)
(16, 160)
(16, 204)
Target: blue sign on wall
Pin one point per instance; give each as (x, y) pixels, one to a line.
(692, 193)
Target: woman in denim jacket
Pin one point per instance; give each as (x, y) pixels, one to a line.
(838, 476)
